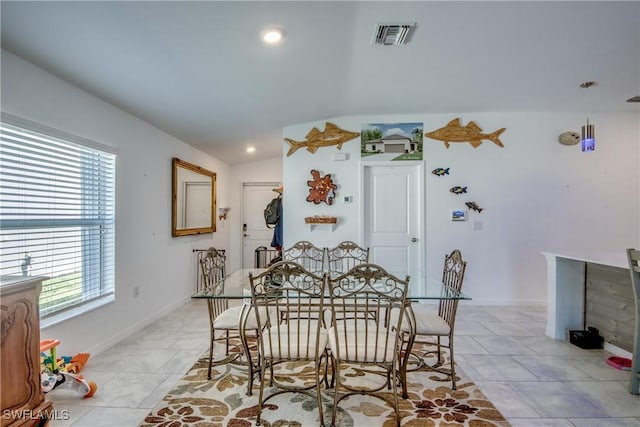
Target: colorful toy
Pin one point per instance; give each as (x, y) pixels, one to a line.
(62, 372)
(621, 363)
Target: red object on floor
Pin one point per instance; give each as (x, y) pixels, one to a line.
(619, 363)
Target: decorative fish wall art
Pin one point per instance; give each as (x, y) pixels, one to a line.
(440, 171)
(321, 189)
(474, 206)
(471, 133)
(331, 135)
(458, 190)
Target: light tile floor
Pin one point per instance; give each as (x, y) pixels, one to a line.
(533, 380)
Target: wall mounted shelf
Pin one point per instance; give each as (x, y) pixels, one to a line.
(330, 227)
(321, 222)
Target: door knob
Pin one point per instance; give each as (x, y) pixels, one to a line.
(245, 235)
(413, 239)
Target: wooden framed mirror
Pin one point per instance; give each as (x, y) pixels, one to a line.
(193, 199)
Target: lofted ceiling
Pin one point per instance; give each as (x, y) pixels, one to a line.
(198, 70)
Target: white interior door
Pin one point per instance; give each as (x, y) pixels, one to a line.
(255, 197)
(392, 212)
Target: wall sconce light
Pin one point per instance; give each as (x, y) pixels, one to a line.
(222, 213)
(569, 138)
(588, 137)
(588, 131)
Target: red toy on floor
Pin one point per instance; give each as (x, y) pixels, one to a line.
(621, 363)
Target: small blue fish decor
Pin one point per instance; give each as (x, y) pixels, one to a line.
(474, 206)
(458, 190)
(440, 171)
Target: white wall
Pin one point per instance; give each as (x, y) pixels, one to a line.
(146, 254)
(537, 195)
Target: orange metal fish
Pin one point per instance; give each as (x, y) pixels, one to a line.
(332, 135)
(471, 133)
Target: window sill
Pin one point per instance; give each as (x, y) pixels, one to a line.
(76, 311)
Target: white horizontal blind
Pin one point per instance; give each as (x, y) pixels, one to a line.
(57, 215)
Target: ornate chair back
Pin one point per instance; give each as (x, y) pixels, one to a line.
(344, 257)
(452, 277)
(213, 270)
(307, 255)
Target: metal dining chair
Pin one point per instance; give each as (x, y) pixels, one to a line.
(223, 318)
(287, 299)
(371, 334)
(305, 253)
(344, 257)
(428, 325)
(634, 269)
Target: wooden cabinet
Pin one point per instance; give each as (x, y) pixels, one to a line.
(610, 305)
(21, 397)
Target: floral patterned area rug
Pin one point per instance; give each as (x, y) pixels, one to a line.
(222, 401)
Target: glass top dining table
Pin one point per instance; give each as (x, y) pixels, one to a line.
(237, 286)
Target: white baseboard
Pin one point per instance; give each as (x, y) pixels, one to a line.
(617, 350)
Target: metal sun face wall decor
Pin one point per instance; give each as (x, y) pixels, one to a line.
(321, 189)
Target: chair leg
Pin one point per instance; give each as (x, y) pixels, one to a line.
(336, 370)
(395, 393)
(261, 393)
(404, 359)
(211, 340)
(404, 363)
(270, 374)
(634, 381)
(333, 372)
(453, 369)
(252, 369)
(318, 394)
(327, 359)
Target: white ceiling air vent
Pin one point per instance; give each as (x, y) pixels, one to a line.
(391, 34)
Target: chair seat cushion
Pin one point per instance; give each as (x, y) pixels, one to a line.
(294, 342)
(373, 345)
(230, 318)
(428, 324)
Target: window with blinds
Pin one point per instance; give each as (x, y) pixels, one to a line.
(57, 214)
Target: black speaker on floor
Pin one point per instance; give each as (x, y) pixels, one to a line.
(589, 339)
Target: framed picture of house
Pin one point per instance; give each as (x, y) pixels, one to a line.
(391, 141)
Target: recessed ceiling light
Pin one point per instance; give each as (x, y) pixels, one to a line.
(272, 35)
(251, 149)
